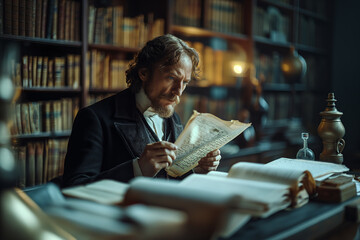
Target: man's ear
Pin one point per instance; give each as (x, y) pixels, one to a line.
(143, 74)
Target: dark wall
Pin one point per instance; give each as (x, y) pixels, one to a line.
(346, 74)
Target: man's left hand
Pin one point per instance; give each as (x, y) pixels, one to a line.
(209, 163)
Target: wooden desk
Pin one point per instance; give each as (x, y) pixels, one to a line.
(315, 220)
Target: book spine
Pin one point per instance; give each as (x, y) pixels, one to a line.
(76, 82)
(33, 17)
(1, 16)
(15, 17)
(67, 20)
(50, 78)
(44, 18)
(8, 16)
(61, 20)
(22, 16)
(28, 17)
(30, 164)
(39, 162)
(39, 71)
(25, 120)
(50, 18)
(34, 71)
(77, 21)
(55, 20)
(91, 23)
(38, 18)
(22, 166)
(70, 69)
(72, 21)
(45, 72)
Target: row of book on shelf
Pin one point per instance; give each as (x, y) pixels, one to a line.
(44, 116)
(110, 25)
(44, 71)
(219, 15)
(105, 72)
(311, 33)
(40, 161)
(225, 108)
(52, 19)
(272, 24)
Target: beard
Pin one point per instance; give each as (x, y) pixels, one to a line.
(168, 110)
(164, 111)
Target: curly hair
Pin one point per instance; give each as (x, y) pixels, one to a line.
(165, 50)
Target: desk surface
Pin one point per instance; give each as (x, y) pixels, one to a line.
(313, 220)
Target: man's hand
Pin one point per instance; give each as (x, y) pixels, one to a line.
(156, 156)
(209, 163)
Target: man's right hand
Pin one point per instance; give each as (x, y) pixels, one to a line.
(156, 156)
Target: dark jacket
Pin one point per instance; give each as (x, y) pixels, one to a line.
(107, 136)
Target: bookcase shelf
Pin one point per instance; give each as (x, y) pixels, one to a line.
(283, 87)
(109, 47)
(41, 41)
(62, 90)
(104, 91)
(41, 136)
(200, 32)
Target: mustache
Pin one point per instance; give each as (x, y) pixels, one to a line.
(172, 98)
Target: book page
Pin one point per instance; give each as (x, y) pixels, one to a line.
(254, 197)
(262, 172)
(292, 177)
(316, 168)
(202, 134)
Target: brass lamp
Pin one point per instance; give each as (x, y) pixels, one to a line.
(293, 66)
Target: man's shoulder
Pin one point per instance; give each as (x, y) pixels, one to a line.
(110, 101)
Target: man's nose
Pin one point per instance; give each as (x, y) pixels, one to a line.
(178, 88)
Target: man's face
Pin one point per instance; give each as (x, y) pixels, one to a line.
(166, 85)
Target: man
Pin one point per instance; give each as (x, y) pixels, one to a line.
(132, 133)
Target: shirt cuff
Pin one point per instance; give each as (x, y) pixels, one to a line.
(136, 167)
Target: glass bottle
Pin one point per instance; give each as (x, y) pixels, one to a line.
(305, 152)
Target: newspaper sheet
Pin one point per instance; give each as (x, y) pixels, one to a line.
(202, 134)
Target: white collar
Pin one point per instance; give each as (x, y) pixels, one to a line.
(143, 103)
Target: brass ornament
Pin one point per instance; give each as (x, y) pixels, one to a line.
(331, 130)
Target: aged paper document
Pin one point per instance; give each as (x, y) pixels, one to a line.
(202, 134)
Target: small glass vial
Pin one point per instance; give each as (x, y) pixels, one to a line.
(305, 152)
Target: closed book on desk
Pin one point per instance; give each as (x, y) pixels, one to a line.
(338, 189)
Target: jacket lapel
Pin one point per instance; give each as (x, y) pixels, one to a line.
(130, 126)
(128, 123)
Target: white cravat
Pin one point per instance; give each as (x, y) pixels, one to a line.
(155, 122)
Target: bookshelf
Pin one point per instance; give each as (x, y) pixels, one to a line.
(101, 34)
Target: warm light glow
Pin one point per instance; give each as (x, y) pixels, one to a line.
(238, 69)
(285, 67)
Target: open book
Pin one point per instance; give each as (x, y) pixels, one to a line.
(202, 134)
(261, 189)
